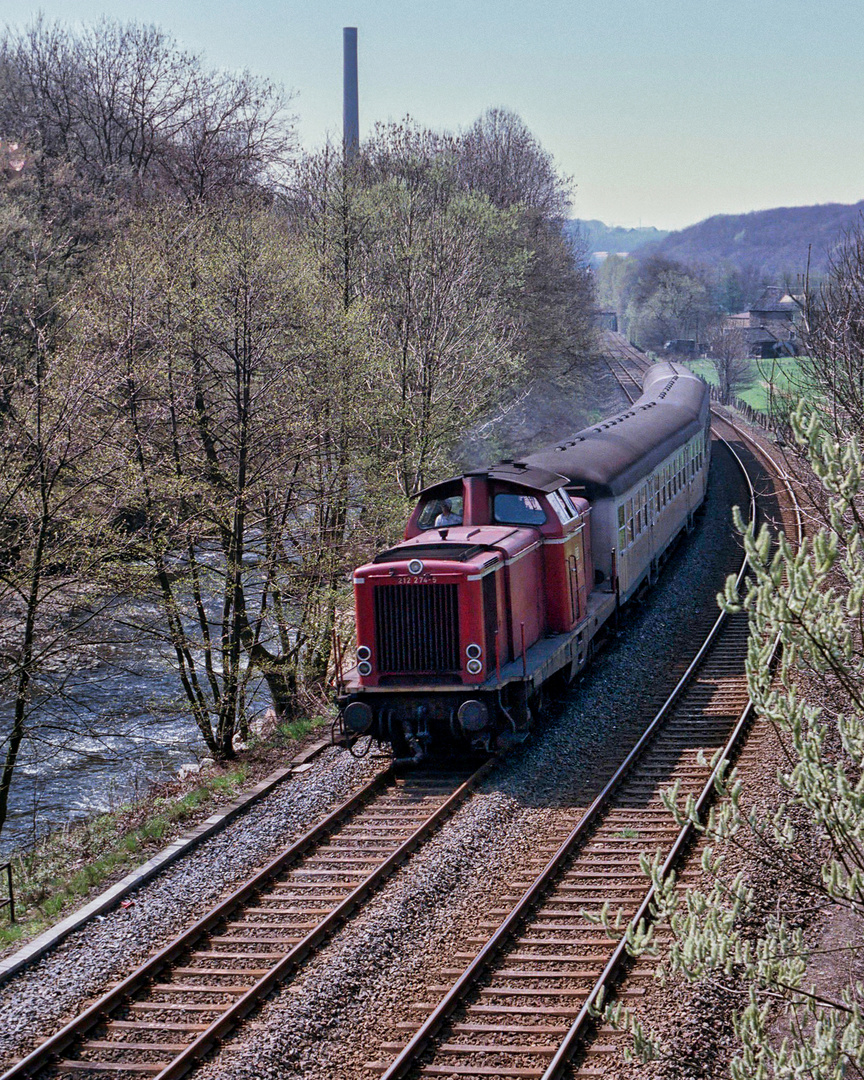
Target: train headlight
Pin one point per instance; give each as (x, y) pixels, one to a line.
(364, 667)
(364, 652)
(473, 652)
(415, 567)
(474, 667)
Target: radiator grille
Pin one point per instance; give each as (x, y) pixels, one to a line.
(417, 628)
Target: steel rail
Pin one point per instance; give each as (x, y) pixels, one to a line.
(96, 1013)
(467, 981)
(484, 959)
(570, 1043)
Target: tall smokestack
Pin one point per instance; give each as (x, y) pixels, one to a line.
(350, 109)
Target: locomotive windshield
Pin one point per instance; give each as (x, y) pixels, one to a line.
(441, 512)
(511, 509)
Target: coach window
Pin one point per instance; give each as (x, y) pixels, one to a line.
(629, 521)
(513, 509)
(622, 527)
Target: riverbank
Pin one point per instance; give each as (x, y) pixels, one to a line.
(70, 865)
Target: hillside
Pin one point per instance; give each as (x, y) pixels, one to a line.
(771, 242)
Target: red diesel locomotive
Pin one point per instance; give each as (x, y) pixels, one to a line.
(506, 575)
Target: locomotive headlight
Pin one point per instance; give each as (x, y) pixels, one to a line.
(364, 667)
(415, 567)
(474, 667)
(364, 652)
(473, 652)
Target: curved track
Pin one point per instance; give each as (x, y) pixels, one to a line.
(172, 1010)
(522, 1006)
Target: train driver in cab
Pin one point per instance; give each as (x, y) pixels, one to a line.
(448, 515)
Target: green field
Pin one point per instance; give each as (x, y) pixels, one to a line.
(771, 379)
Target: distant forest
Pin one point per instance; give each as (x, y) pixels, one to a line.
(595, 236)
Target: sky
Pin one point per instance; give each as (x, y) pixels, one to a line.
(663, 112)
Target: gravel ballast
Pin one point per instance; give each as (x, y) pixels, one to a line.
(32, 1003)
(348, 1001)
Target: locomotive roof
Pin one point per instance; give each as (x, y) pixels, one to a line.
(513, 472)
(608, 458)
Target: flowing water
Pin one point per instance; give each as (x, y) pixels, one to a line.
(118, 724)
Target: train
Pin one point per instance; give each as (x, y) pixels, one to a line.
(507, 576)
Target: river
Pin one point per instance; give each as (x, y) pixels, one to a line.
(119, 723)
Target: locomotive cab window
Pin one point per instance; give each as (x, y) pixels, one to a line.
(441, 512)
(512, 509)
(564, 509)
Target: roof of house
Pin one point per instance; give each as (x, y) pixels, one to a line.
(774, 298)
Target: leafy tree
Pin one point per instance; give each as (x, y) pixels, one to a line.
(667, 302)
(499, 157)
(242, 399)
(460, 279)
(436, 264)
(56, 502)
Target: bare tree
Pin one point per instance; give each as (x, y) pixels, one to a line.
(124, 105)
(729, 352)
(833, 336)
(500, 157)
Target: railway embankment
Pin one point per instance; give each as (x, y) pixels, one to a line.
(72, 866)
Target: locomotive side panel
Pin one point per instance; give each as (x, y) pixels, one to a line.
(527, 599)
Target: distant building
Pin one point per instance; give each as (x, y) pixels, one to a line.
(768, 325)
(684, 347)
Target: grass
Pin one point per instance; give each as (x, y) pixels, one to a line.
(65, 866)
(299, 729)
(773, 381)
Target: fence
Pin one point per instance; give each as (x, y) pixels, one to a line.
(755, 416)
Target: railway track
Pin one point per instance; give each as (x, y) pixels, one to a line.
(621, 358)
(171, 1011)
(521, 1007)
